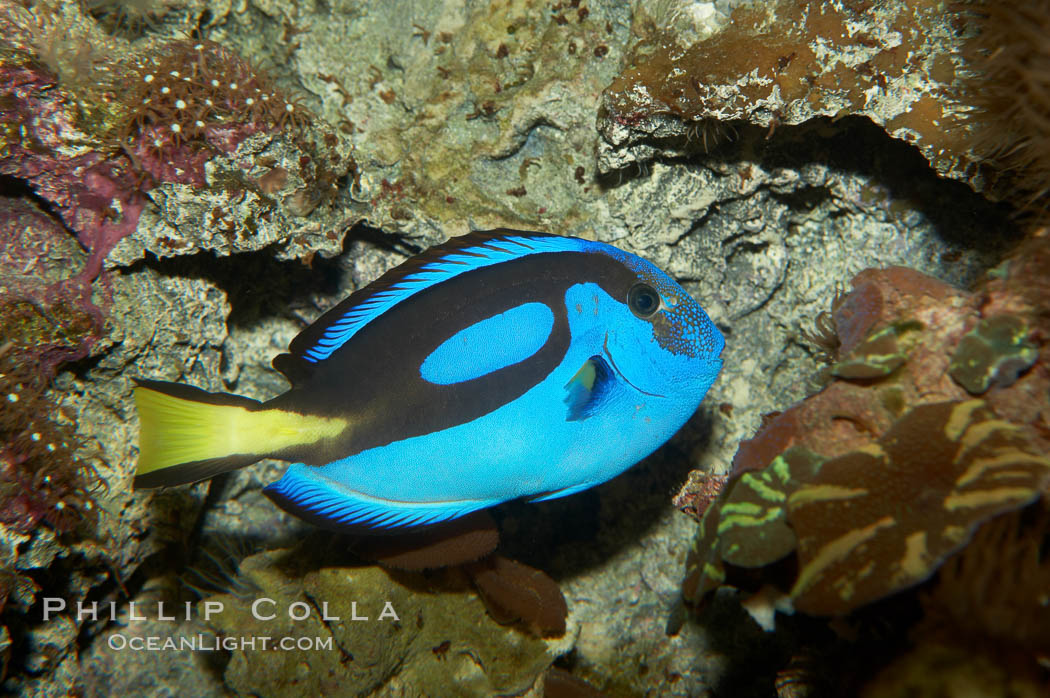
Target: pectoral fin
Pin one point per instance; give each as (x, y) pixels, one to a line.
(589, 388)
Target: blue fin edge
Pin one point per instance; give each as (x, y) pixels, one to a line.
(457, 256)
(564, 492)
(308, 494)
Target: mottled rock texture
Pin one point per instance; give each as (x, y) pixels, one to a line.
(785, 63)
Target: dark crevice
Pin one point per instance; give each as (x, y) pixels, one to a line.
(856, 145)
(805, 198)
(258, 285)
(746, 247)
(15, 188)
(799, 650)
(383, 240)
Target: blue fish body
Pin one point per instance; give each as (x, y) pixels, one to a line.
(499, 366)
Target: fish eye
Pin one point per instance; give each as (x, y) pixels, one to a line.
(643, 300)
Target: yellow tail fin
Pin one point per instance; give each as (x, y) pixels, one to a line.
(187, 434)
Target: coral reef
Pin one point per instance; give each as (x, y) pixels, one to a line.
(965, 83)
(68, 524)
(104, 130)
(50, 489)
(878, 519)
(485, 115)
(511, 591)
(953, 672)
(994, 590)
(48, 315)
(985, 618)
(995, 352)
(516, 592)
(894, 324)
(43, 478)
(892, 471)
(429, 119)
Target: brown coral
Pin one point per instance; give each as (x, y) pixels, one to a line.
(881, 519)
(894, 319)
(868, 485)
(198, 93)
(875, 520)
(513, 591)
(986, 629)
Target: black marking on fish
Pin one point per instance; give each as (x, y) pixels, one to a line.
(298, 369)
(190, 392)
(374, 380)
(193, 471)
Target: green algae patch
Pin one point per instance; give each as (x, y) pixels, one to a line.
(995, 353)
(753, 529)
(877, 356)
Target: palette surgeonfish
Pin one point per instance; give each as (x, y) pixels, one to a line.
(496, 366)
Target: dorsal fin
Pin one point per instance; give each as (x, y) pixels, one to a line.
(439, 263)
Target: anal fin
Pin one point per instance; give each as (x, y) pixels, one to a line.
(563, 492)
(305, 492)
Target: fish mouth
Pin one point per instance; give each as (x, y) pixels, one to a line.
(609, 358)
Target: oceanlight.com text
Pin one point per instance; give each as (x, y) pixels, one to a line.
(210, 643)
